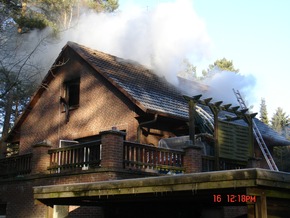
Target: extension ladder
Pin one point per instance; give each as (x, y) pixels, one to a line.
(267, 155)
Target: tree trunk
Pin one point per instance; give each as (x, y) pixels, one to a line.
(6, 124)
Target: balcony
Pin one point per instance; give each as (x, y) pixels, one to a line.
(15, 166)
(149, 158)
(75, 157)
(112, 152)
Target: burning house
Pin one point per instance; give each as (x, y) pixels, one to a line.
(106, 137)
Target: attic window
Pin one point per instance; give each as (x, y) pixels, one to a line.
(72, 93)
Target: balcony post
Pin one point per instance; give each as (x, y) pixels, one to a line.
(192, 159)
(112, 148)
(40, 158)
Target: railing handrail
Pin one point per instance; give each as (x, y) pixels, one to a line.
(75, 146)
(15, 157)
(147, 157)
(224, 163)
(75, 156)
(156, 148)
(15, 165)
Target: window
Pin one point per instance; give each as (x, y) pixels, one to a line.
(72, 93)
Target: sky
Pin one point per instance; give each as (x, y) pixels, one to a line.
(160, 34)
(255, 35)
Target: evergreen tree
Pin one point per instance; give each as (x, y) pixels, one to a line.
(15, 93)
(221, 64)
(59, 15)
(264, 112)
(279, 121)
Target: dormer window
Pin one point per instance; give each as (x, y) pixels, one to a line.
(72, 93)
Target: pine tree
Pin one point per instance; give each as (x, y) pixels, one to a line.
(220, 64)
(264, 112)
(281, 154)
(59, 15)
(279, 120)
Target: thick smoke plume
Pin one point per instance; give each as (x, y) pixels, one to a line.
(222, 83)
(159, 38)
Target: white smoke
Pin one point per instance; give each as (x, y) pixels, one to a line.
(222, 83)
(160, 39)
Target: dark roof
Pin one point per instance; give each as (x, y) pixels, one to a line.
(149, 91)
(143, 87)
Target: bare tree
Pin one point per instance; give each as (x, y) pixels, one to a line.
(18, 72)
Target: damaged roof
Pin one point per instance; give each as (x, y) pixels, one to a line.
(144, 88)
(149, 91)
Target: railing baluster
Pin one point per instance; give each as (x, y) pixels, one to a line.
(143, 157)
(16, 165)
(80, 156)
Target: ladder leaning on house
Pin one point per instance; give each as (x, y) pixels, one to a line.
(268, 157)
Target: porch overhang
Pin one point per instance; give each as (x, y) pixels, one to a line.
(196, 187)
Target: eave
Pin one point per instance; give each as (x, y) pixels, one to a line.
(250, 181)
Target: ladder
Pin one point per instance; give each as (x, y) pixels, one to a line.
(267, 155)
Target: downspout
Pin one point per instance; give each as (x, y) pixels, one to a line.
(143, 124)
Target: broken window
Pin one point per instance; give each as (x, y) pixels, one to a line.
(72, 93)
(71, 97)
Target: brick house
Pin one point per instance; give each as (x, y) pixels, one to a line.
(102, 135)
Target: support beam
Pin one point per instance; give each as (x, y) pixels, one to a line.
(218, 103)
(261, 207)
(234, 109)
(251, 211)
(196, 97)
(215, 109)
(244, 110)
(192, 114)
(207, 100)
(226, 106)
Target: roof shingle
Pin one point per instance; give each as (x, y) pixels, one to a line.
(149, 91)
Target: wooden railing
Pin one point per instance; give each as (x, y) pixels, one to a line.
(15, 166)
(208, 164)
(226, 164)
(80, 156)
(149, 158)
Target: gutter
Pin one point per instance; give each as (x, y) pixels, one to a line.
(143, 124)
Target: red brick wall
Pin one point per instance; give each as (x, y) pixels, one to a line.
(18, 193)
(20, 203)
(112, 149)
(193, 159)
(100, 108)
